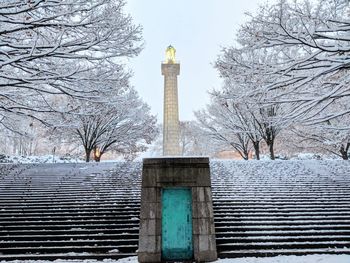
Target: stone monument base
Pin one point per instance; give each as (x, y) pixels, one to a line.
(159, 175)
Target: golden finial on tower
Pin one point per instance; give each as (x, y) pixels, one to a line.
(170, 54)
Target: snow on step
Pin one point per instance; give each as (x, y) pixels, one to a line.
(90, 211)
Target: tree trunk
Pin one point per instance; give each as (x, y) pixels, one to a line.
(87, 155)
(97, 158)
(272, 153)
(256, 145)
(344, 153)
(246, 156)
(97, 154)
(243, 153)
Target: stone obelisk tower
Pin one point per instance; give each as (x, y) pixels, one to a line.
(171, 129)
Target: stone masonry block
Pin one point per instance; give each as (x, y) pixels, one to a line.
(208, 194)
(203, 242)
(183, 176)
(206, 256)
(195, 244)
(202, 210)
(150, 210)
(212, 242)
(206, 242)
(149, 194)
(203, 226)
(149, 244)
(194, 194)
(149, 177)
(203, 179)
(201, 194)
(150, 227)
(146, 257)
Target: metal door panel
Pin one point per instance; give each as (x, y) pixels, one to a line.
(177, 224)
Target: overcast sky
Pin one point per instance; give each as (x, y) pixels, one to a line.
(198, 29)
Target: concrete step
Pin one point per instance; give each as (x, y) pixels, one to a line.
(65, 256)
(290, 239)
(243, 227)
(128, 230)
(277, 252)
(275, 233)
(116, 235)
(282, 245)
(69, 249)
(68, 243)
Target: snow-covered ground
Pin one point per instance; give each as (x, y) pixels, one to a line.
(71, 159)
(279, 259)
(39, 159)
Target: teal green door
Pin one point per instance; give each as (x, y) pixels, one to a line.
(177, 224)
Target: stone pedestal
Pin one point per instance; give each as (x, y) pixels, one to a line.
(159, 173)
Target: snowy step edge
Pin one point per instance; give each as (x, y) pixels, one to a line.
(136, 189)
(272, 217)
(276, 209)
(86, 247)
(290, 251)
(291, 224)
(231, 211)
(90, 216)
(127, 236)
(71, 256)
(222, 206)
(82, 203)
(81, 207)
(218, 220)
(69, 243)
(223, 199)
(248, 238)
(262, 227)
(221, 202)
(220, 217)
(218, 206)
(115, 211)
(334, 244)
(275, 233)
(53, 227)
(48, 221)
(12, 191)
(132, 231)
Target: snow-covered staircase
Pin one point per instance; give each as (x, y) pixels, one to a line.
(71, 211)
(91, 210)
(272, 208)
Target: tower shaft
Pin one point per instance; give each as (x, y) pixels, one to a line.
(171, 128)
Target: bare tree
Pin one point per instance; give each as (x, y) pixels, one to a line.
(218, 123)
(121, 122)
(243, 94)
(310, 43)
(332, 136)
(193, 142)
(48, 48)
